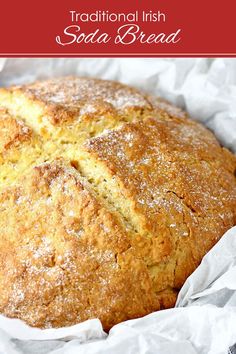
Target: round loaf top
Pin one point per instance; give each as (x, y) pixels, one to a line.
(109, 199)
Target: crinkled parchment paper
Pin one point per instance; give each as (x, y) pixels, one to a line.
(204, 320)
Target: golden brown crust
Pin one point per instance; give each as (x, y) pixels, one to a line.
(64, 99)
(115, 221)
(19, 148)
(12, 132)
(164, 108)
(179, 186)
(72, 109)
(59, 272)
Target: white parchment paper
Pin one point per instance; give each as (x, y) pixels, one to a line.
(204, 320)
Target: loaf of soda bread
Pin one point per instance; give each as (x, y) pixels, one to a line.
(109, 199)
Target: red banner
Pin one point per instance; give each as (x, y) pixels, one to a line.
(117, 28)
